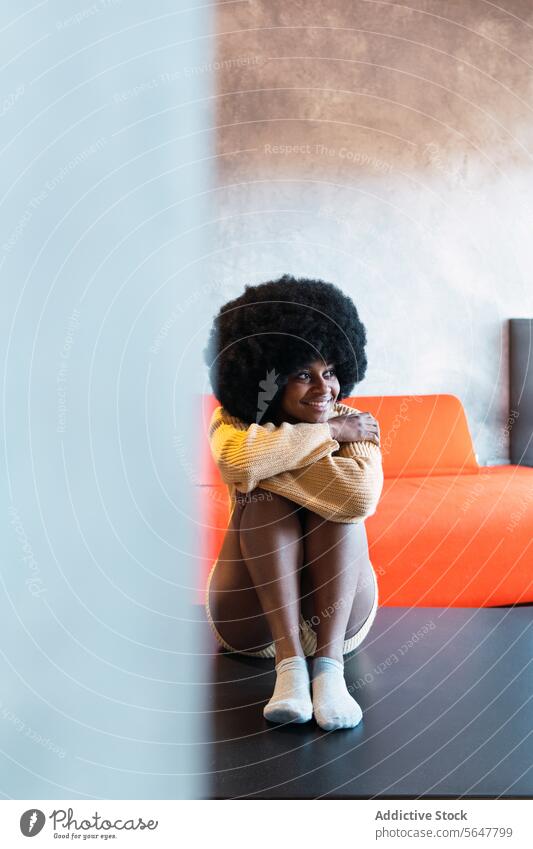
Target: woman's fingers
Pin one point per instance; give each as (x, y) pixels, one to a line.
(372, 428)
(366, 428)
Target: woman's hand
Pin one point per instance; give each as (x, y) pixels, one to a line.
(354, 427)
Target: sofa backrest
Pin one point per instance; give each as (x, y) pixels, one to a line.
(420, 435)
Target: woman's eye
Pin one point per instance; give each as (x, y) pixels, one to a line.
(305, 374)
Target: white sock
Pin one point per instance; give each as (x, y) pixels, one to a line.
(291, 700)
(332, 704)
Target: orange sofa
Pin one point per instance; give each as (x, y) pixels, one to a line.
(447, 532)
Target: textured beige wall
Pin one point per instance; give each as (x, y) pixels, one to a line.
(386, 148)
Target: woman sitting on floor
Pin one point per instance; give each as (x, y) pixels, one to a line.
(303, 472)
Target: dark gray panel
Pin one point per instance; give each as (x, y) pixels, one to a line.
(521, 390)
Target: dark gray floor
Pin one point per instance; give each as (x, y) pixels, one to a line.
(450, 715)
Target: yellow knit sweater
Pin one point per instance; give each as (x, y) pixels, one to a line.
(340, 482)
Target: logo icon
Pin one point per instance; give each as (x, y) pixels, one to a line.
(268, 387)
(32, 822)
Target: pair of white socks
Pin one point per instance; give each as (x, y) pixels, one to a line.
(332, 705)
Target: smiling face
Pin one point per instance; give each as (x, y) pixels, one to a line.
(310, 393)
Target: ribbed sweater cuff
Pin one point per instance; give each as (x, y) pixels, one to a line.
(360, 449)
(323, 429)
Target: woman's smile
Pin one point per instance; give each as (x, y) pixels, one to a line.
(318, 405)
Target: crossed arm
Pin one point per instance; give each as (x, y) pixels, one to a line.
(296, 460)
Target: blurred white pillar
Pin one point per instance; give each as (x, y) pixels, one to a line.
(106, 170)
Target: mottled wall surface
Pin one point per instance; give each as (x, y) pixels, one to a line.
(386, 148)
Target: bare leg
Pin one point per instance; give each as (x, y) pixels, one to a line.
(235, 605)
(336, 565)
(233, 600)
(336, 557)
(272, 548)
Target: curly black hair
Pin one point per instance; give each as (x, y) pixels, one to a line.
(273, 329)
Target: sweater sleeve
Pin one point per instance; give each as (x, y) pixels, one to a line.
(246, 454)
(344, 488)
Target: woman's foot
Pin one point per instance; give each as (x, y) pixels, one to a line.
(333, 706)
(291, 700)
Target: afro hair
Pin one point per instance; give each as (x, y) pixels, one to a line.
(258, 339)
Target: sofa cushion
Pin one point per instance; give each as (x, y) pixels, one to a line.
(462, 541)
